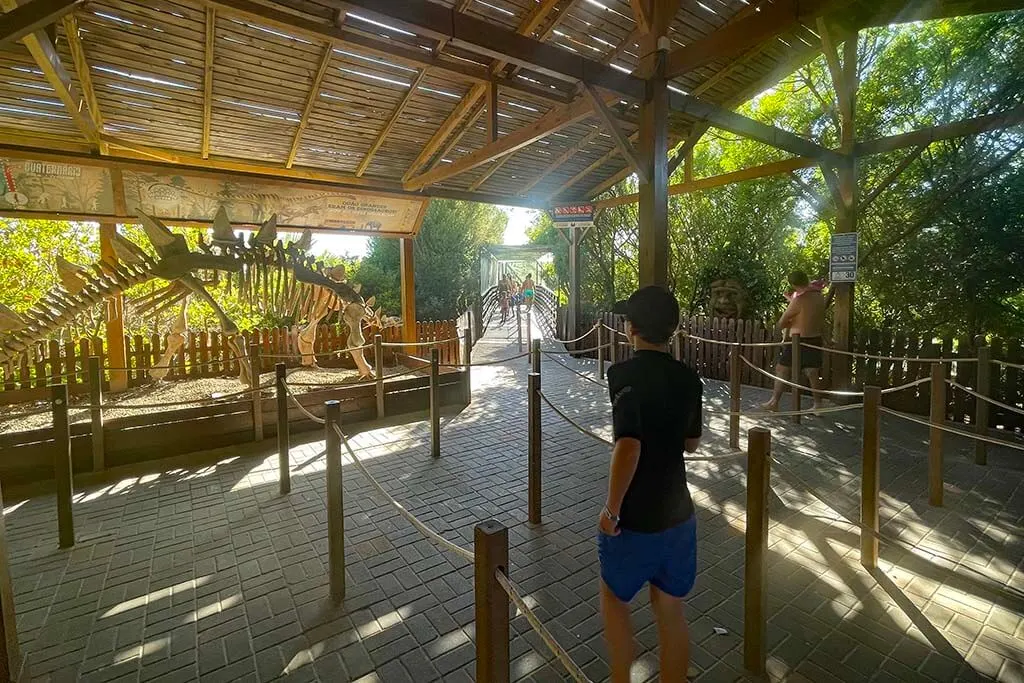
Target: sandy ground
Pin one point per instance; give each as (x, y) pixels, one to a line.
(189, 393)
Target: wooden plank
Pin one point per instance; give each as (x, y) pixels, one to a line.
(462, 109)
(395, 116)
(311, 100)
(32, 15)
(82, 70)
(563, 158)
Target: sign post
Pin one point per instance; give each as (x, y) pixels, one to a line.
(575, 218)
(843, 261)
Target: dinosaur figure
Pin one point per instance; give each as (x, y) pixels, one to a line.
(262, 270)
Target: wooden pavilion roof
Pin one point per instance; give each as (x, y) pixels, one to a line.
(333, 92)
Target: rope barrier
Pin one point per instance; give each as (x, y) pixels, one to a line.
(500, 361)
(592, 435)
(616, 331)
(590, 350)
(895, 359)
(951, 430)
(580, 338)
(299, 354)
(789, 413)
(420, 526)
(426, 343)
(303, 409)
(557, 650)
(915, 549)
(212, 361)
(574, 371)
(1004, 406)
(800, 386)
(724, 342)
(213, 400)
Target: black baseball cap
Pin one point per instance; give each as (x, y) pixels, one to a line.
(653, 311)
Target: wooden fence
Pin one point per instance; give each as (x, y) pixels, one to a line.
(205, 354)
(1007, 383)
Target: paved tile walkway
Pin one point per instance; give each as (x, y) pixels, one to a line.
(206, 573)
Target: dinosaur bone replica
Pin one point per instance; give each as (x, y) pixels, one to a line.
(262, 270)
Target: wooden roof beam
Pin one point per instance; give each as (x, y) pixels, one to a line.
(626, 148)
(81, 64)
(641, 15)
(562, 159)
(462, 109)
(554, 121)
(601, 161)
(211, 39)
(23, 20)
(946, 131)
(738, 36)
(386, 130)
(290, 22)
(485, 38)
(45, 55)
(311, 100)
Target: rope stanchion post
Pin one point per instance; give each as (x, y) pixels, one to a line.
(467, 364)
(529, 328)
(378, 363)
(937, 417)
(490, 550)
(62, 470)
(981, 406)
(519, 327)
(256, 365)
(435, 404)
(533, 459)
(735, 387)
(755, 593)
(96, 414)
(795, 377)
(870, 477)
(335, 501)
(535, 357)
(283, 435)
(600, 351)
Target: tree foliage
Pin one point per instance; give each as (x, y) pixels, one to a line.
(942, 247)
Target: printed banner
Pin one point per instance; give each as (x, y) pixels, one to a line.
(87, 191)
(52, 187)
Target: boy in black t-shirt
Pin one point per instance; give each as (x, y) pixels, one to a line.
(647, 528)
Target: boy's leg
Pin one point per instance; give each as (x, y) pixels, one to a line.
(813, 376)
(773, 404)
(673, 636)
(618, 632)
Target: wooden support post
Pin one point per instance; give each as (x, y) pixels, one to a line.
(96, 412)
(335, 502)
(734, 396)
(870, 477)
(755, 593)
(283, 437)
(600, 350)
(256, 366)
(435, 403)
(533, 460)
(938, 419)
(535, 356)
(981, 407)
(10, 652)
(572, 313)
(467, 364)
(490, 550)
(62, 468)
(378, 363)
(795, 374)
(408, 284)
(653, 152)
(519, 327)
(529, 330)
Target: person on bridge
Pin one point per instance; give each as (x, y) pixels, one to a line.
(647, 530)
(805, 316)
(504, 292)
(528, 291)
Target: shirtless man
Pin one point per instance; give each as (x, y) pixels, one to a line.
(805, 316)
(527, 291)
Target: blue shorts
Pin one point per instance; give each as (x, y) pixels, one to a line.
(667, 559)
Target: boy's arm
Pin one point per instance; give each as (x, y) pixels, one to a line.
(695, 429)
(625, 457)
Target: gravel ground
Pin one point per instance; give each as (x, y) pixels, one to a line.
(189, 393)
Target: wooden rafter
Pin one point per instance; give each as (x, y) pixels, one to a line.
(555, 120)
(403, 54)
(612, 127)
(81, 65)
(492, 112)
(465, 105)
(489, 172)
(311, 99)
(562, 159)
(641, 15)
(601, 161)
(208, 50)
(946, 131)
(41, 47)
(893, 175)
(386, 130)
(32, 16)
(738, 36)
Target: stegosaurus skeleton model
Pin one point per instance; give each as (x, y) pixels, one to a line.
(262, 270)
